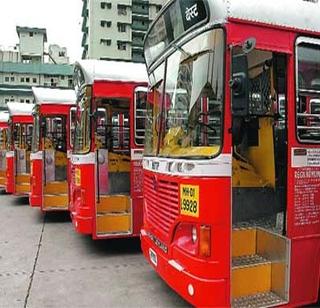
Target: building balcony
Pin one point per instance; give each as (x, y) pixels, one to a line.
(139, 26)
(84, 27)
(140, 10)
(85, 11)
(84, 39)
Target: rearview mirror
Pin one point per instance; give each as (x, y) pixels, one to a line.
(240, 86)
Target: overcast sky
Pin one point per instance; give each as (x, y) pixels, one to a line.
(61, 18)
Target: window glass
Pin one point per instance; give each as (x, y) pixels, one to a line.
(112, 130)
(140, 114)
(36, 134)
(54, 132)
(191, 108)
(154, 101)
(22, 136)
(82, 126)
(308, 92)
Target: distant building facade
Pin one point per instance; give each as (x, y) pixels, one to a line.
(115, 29)
(28, 64)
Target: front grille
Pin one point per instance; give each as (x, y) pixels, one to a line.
(162, 203)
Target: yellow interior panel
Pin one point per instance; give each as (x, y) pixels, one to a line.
(3, 174)
(262, 156)
(56, 201)
(251, 280)
(111, 203)
(118, 162)
(56, 188)
(110, 223)
(243, 242)
(23, 178)
(2, 181)
(61, 158)
(23, 188)
(244, 175)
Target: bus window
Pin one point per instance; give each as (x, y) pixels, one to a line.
(35, 147)
(308, 92)
(72, 125)
(82, 132)
(140, 115)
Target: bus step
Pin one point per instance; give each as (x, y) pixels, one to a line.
(114, 223)
(266, 299)
(250, 275)
(113, 203)
(57, 201)
(260, 267)
(55, 188)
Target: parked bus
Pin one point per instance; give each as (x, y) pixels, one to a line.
(106, 184)
(51, 148)
(19, 148)
(232, 193)
(4, 117)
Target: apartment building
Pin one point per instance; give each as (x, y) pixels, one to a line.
(28, 64)
(115, 29)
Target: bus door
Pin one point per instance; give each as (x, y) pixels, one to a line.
(139, 118)
(260, 248)
(304, 176)
(112, 141)
(54, 142)
(3, 159)
(22, 142)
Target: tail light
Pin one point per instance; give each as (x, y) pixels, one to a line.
(205, 241)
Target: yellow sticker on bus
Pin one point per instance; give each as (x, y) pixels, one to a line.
(189, 200)
(77, 177)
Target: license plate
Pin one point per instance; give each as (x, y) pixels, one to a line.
(153, 257)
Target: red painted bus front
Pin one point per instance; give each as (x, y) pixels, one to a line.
(231, 184)
(103, 203)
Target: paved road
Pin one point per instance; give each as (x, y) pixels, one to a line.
(44, 263)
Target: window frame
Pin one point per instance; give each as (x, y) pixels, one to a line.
(311, 42)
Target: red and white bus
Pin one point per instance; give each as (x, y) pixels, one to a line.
(106, 183)
(231, 183)
(51, 148)
(19, 148)
(4, 118)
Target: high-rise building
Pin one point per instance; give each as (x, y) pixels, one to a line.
(115, 29)
(28, 64)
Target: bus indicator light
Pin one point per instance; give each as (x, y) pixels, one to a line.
(189, 200)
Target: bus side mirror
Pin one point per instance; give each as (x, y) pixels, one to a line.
(240, 86)
(43, 127)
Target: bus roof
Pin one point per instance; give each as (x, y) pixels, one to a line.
(94, 70)
(16, 109)
(54, 96)
(297, 14)
(178, 17)
(4, 116)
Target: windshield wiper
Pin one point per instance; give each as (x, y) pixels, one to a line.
(156, 85)
(195, 56)
(182, 50)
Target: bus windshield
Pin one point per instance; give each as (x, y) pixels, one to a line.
(35, 147)
(82, 125)
(184, 112)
